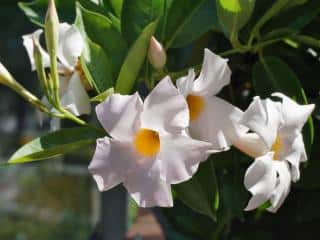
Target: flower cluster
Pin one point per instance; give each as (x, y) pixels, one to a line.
(162, 141)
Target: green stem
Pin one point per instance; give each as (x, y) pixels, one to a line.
(306, 40)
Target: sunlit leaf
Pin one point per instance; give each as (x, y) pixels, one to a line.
(56, 144)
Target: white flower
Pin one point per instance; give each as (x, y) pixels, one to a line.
(149, 148)
(70, 45)
(277, 144)
(211, 118)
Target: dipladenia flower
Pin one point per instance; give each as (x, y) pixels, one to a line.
(149, 148)
(70, 46)
(211, 118)
(277, 146)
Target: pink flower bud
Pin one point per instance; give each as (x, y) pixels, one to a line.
(157, 55)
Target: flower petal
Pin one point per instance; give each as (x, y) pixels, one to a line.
(264, 118)
(214, 75)
(282, 189)
(180, 156)
(147, 191)
(75, 97)
(294, 153)
(251, 144)
(120, 114)
(165, 109)
(29, 45)
(218, 124)
(294, 114)
(260, 179)
(111, 162)
(70, 45)
(185, 84)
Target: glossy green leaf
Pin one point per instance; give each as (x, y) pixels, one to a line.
(136, 15)
(115, 5)
(102, 96)
(273, 75)
(55, 144)
(96, 67)
(36, 10)
(204, 19)
(180, 13)
(201, 192)
(234, 14)
(102, 31)
(134, 60)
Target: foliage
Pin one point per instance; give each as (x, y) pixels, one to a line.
(272, 46)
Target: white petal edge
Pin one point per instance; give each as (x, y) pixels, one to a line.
(185, 84)
(165, 109)
(111, 162)
(75, 97)
(148, 191)
(264, 118)
(215, 74)
(282, 189)
(70, 45)
(120, 115)
(294, 114)
(260, 179)
(28, 43)
(180, 156)
(218, 124)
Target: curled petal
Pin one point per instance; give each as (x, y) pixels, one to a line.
(119, 115)
(185, 84)
(148, 191)
(165, 109)
(264, 118)
(75, 97)
(180, 156)
(28, 42)
(214, 75)
(70, 45)
(294, 115)
(260, 179)
(110, 162)
(294, 154)
(282, 188)
(218, 124)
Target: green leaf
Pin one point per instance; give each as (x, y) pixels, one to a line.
(271, 75)
(114, 5)
(134, 60)
(203, 20)
(104, 32)
(296, 18)
(56, 144)
(36, 10)
(136, 15)
(96, 66)
(201, 192)
(234, 14)
(102, 96)
(180, 13)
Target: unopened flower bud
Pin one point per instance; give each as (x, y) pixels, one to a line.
(51, 28)
(157, 55)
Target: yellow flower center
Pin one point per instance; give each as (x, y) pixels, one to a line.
(277, 147)
(196, 106)
(147, 142)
